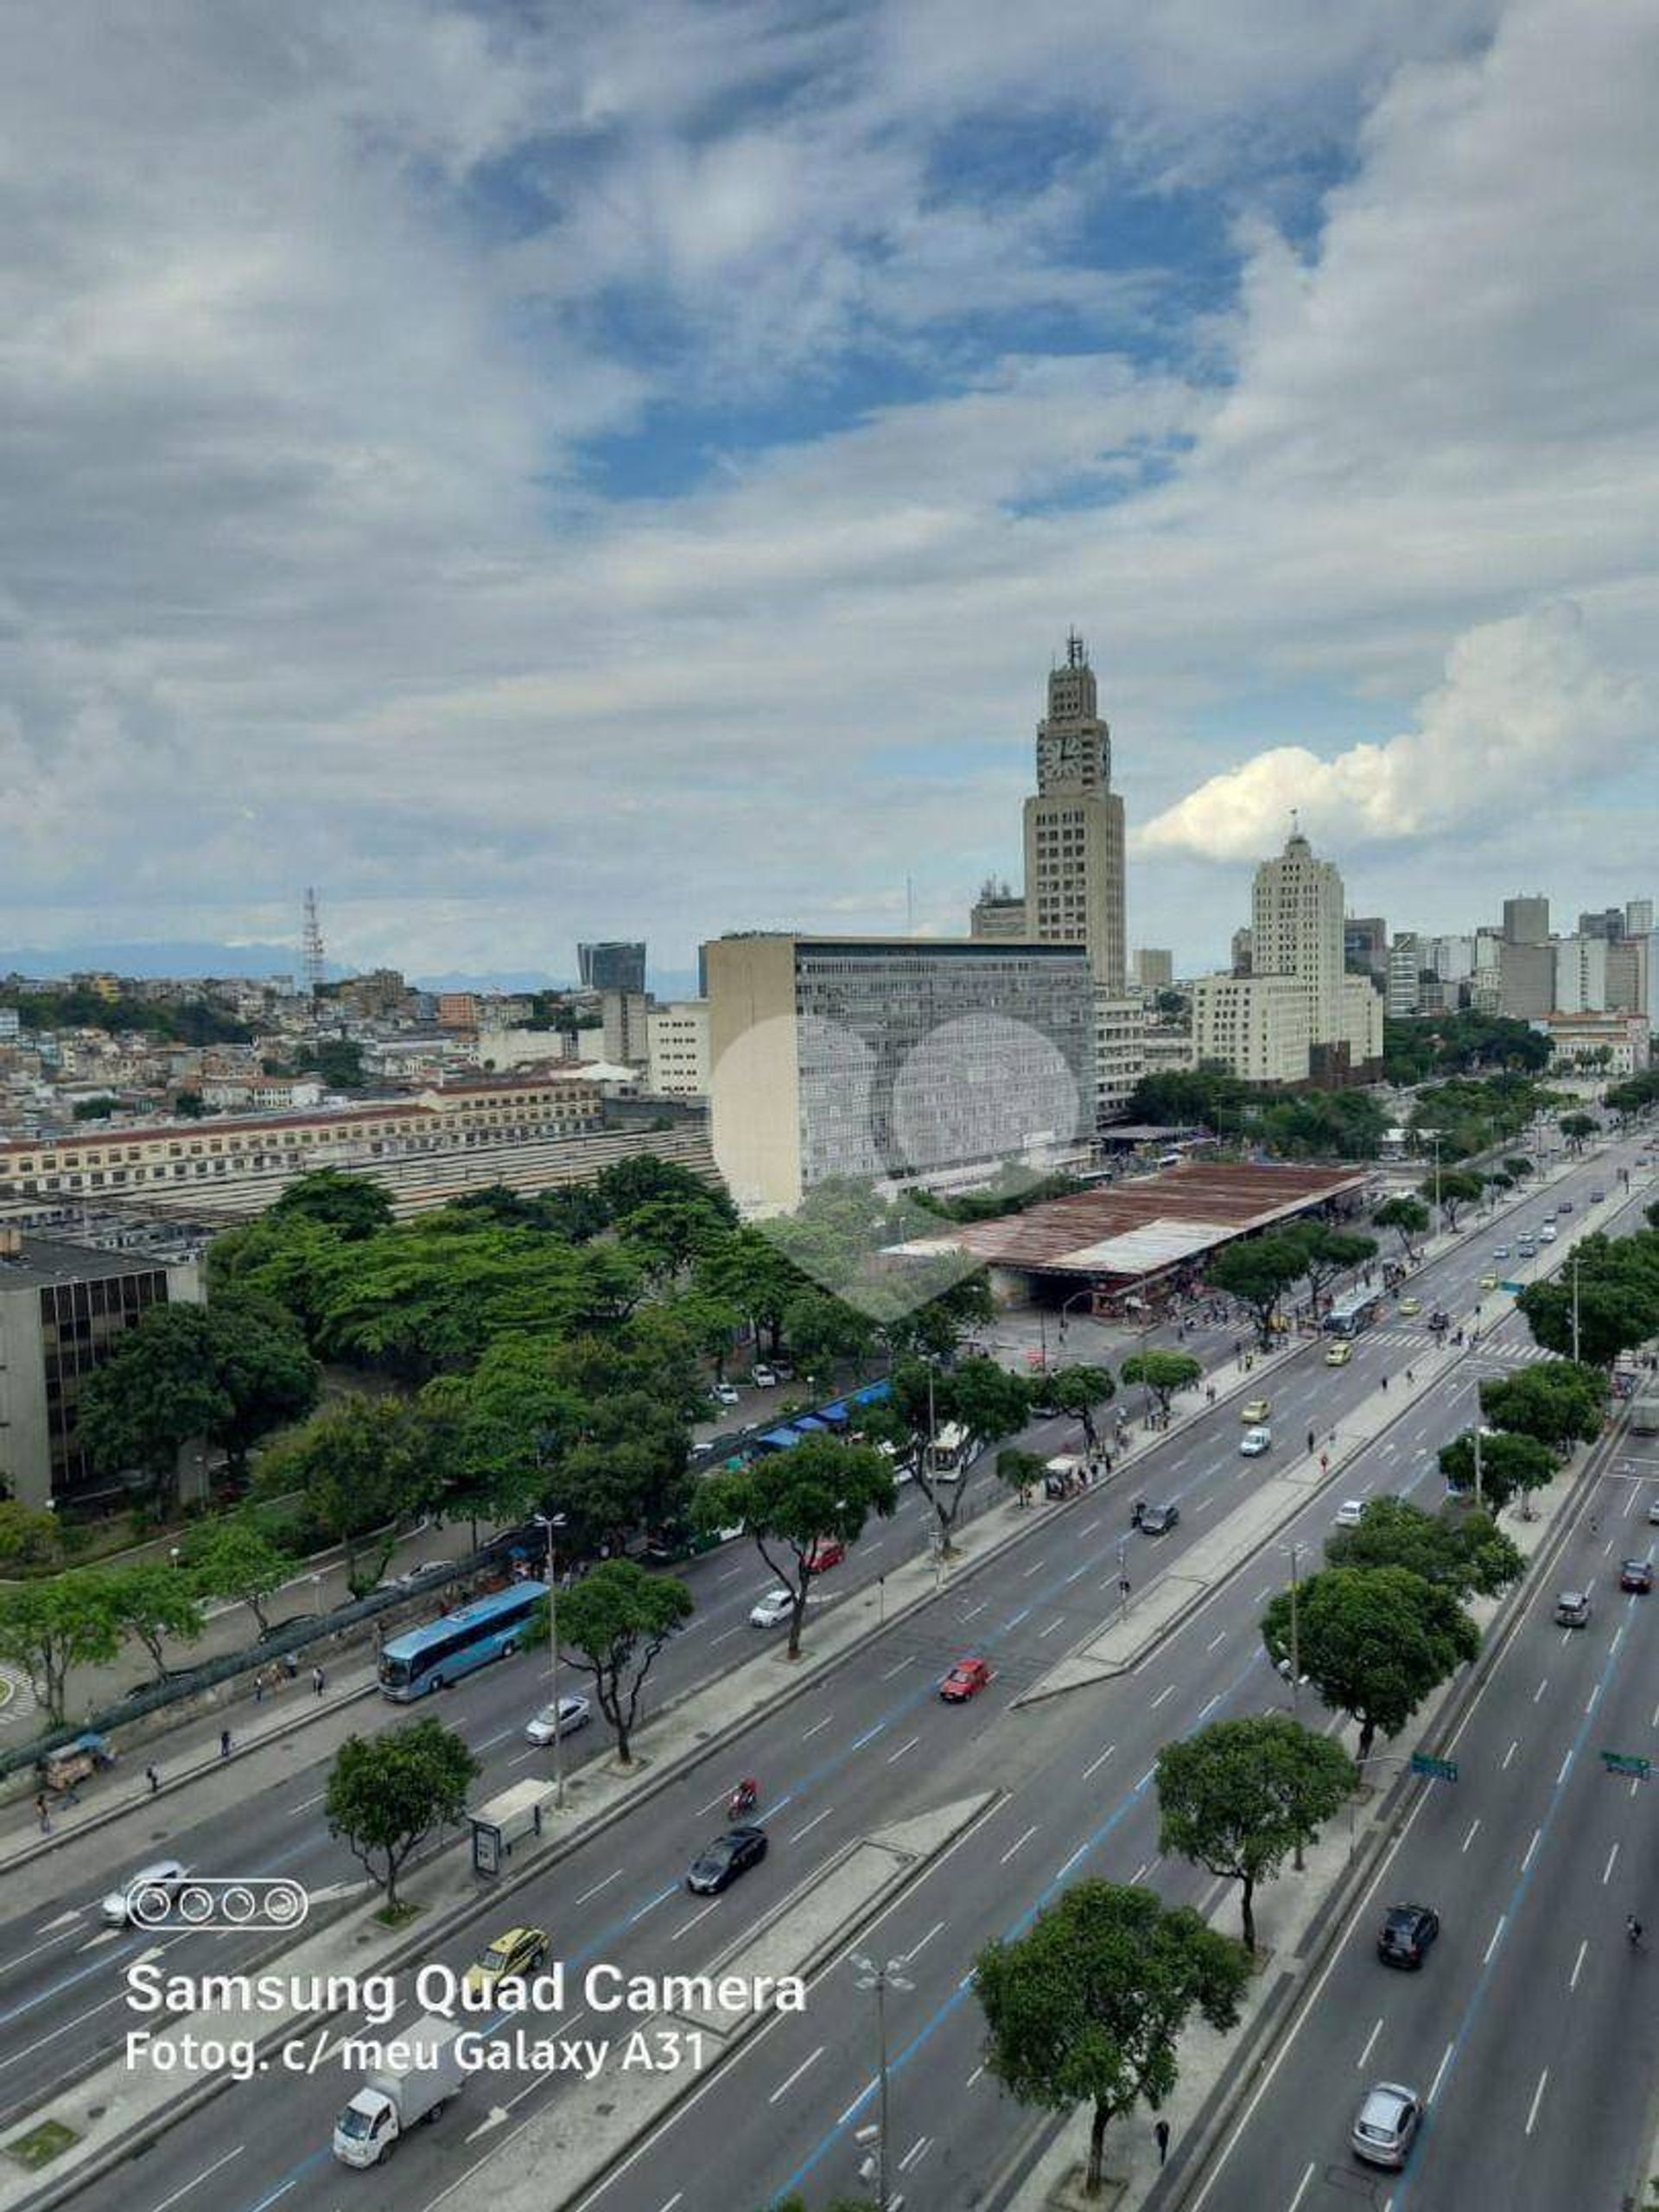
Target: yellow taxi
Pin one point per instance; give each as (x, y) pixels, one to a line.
(1489, 1282)
(1254, 1411)
(1339, 1355)
(512, 1957)
(1410, 1306)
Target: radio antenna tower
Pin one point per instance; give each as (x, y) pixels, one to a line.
(311, 946)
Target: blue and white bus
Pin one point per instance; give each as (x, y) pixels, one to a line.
(1349, 1315)
(424, 1659)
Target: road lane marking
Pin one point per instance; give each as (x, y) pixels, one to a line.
(1531, 1847)
(1301, 2187)
(810, 1825)
(1053, 1629)
(1078, 1854)
(1497, 1935)
(902, 1749)
(1369, 2042)
(205, 2174)
(917, 2150)
(1095, 1764)
(869, 1737)
(726, 1635)
(1020, 1844)
(1014, 1622)
(785, 2086)
(973, 1610)
(1511, 1753)
(1577, 1963)
(598, 1886)
(817, 1725)
(651, 1903)
(1168, 1690)
(1537, 2098)
(1607, 1871)
(975, 2075)
(1433, 2086)
(1036, 1567)
(1215, 1640)
(686, 1926)
(1541, 1687)
(908, 1661)
(1470, 1838)
(915, 1947)
(1560, 1773)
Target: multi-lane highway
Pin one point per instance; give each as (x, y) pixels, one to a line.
(870, 1742)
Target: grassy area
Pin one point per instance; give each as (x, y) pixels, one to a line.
(398, 1916)
(41, 2144)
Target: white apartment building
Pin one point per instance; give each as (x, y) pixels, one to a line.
(1168, 1052)
(1120, 1053)
(1578, 1040)
(894, 1059)
(1259, 1027)
(1405, 960)
(1074, 827)
(1296, 929)
(678, 1037)
(1362, 1019)
(1580, 975)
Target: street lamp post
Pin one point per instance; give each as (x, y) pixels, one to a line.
(545, 1520)
(880, 1980)
(1575, 1303)
(1296, 1550)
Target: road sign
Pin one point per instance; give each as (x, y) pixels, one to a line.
(1627, 1763)
(1439, 1769)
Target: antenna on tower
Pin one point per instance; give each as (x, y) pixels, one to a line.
(1076, 653)
(311, 963)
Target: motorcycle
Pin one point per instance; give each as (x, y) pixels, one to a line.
(743, 1799)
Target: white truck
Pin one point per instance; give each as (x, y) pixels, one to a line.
(1645, 1414)
(393, 2100)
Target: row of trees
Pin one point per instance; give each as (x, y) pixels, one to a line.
(1260, 1272)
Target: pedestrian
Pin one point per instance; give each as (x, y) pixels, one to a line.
(224, 1743)
(1410, 1378)
(1385, 1382)
(318, 1680)
(290, 1666)
(1311, 1440)
(44, 1812)
(152, 1779)
(259, 1687)
(1161, 2136)
(1106, 1461)
(1209, 1395)
(1324, 1463)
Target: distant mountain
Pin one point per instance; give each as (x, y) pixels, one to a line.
(167, 956)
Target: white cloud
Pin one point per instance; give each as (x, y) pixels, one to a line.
(1524, 714)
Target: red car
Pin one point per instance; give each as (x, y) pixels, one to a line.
(966, 1680)
(828, 1552)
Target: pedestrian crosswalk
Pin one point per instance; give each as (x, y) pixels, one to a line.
(17, 1700)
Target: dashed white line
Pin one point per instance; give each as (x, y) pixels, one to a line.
(908, 1661)
(1168, 1690)
(686, 1926)
(1370, 2043)
(204, 2175)
(1301, 2187)
(1573, 1979)
(979, 1608)
(725, 1635)
(784, 2087)
(1053, 1629)
(811, 1824)
(817, 1724)
(1593, 1700)
(598, 1886)
(1095, 1764)
(918, 2150)
(1541, 1687)
(1036, 1567)
(1497, 1938)
(1445, 2060)
(1607, 1871)
(1213, 1703)
(1020, 1844)
(916, 1950)
(975, 2076)
(1215, 1640)
(1511, 1753)
(902, 1749)
(1537, 2098)
(1470, 1838)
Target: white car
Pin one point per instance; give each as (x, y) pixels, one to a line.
(773, 1610)
(1546, 1234)
(763, 1378)
(1254, 1442)
(574, 1713)
(723, 1394)
(1350, 1513)
(166, 1876)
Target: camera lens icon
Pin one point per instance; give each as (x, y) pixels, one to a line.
(205, 1901)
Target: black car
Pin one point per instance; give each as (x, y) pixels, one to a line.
(1156, 1520)
(725, 1858)
(1407, 1931)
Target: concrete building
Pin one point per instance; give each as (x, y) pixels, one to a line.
(499, 1050)
(1526, 919)
(458, 1009)
(1526, 980)
(62, 1310)
(1296, 929)
(1362, 1020)
(1244, 951)
(1154, 969)
(1168, 1052)
(1259, 1027)
(611, 967)
(677, 1040)
(1638, 917)
(1578, 1040)
(1120, 1053)
(998, 912)
(10, 1025)
(1581, 985)
(894, 1059)
(263, 1094)
(1633, 977)
(1365, 938)
(1074, 827)
(1452, 959)
(624, 1022)
(1607, 923)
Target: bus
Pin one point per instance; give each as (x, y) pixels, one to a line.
(1352, 1314)
(946, 1452)
(424, 1659)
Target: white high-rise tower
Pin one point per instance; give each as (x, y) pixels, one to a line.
(1074, 826)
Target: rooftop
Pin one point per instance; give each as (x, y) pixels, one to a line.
(41, 1262)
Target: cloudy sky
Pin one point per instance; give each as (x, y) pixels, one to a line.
(538, 470)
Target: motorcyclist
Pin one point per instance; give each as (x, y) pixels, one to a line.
(745, 1797)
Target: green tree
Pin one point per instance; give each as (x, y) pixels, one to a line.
(189, 1106)
(787, 1500)
(47, 1628)
(1519, 1166)
(612, 1625)
(30, 1538)
(1409, 1216)
(1089, 2007)
(262, 1366)
(1576, 1128)
(749, 1272)
(1257, 1271)
(1075, 1390)
(1558, 1401)
(364, 1465)
(1240, 1794)
(1458, 1188)
(1509, 1465)
(94, 1109)
(822, 1332)
(1018, 1471)
(1466, 1554)
(977, 1396)
(1163, 1373)
(157, 1390)
(1330, 1252)
(235, 1558)
(153, 1602)
(388, 1794)
(626, 1470)
(354, 1206)
(1617, 1308)
(1374, 1643)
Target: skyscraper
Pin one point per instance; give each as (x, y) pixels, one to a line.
(1296, 929)
(1526, 920)
(1074, 826)
(611, 967)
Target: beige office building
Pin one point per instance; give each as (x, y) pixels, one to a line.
(1258, 1027)
(678, 1038)
(1074, 827)
(1120, 1053)
(1296, 929)
(1155, 969)
(892, 1059)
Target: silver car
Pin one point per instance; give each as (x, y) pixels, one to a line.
(163, 1880)
(574, 1713)
(1385, 2126)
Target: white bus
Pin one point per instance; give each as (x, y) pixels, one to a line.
(946, 1452)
